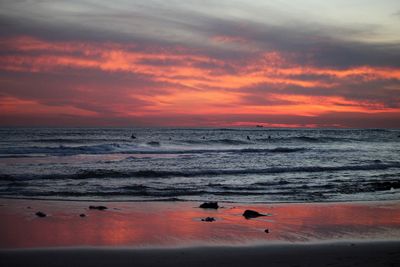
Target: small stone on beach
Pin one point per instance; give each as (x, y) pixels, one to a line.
(208, 219)
(266, 231)
(82, 215)
(98, 207)
(40, 214)
(252, 214)
(209, 205)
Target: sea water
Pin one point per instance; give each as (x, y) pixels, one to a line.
(231, 164)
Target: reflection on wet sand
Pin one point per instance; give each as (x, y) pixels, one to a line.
(179, 224)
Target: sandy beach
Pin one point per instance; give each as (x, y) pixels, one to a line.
(173, 233)
(331, 254)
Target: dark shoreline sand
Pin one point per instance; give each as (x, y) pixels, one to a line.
(294, 255)
(172, 233)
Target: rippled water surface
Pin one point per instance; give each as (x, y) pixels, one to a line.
(238, 165)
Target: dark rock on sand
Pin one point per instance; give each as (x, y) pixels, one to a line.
(82, 215)
(98, 207)
(208, 219)
(40, 214)
(248, 214)
(266, 231)
(209, 205)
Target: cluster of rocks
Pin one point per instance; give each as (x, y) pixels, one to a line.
(41, 214)
(248, 214)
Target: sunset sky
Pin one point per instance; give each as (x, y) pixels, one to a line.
(287, 63)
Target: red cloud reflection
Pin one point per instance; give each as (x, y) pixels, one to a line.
(175, 224)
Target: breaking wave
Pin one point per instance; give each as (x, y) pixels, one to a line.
(103, 173)
(153, 148)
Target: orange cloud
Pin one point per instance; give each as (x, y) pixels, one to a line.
(191, 85)
(114, 58)
(15, 106)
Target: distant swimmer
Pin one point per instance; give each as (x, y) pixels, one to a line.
(204, 137)
(269, 137)
(248, 137)
(133, 136)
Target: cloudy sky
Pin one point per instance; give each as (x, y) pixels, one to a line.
(286, 63)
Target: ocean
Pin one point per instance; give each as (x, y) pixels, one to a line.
(246, 165)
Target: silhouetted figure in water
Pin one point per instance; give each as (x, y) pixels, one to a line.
(133, 136)
(204, 137)
(248, 137)
(269, 137)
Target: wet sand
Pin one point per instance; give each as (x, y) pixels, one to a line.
(172, 233)
(334, 254)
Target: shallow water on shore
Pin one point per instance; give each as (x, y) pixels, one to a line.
(174, 224)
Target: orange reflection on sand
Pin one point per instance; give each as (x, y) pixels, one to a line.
(179, 224)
